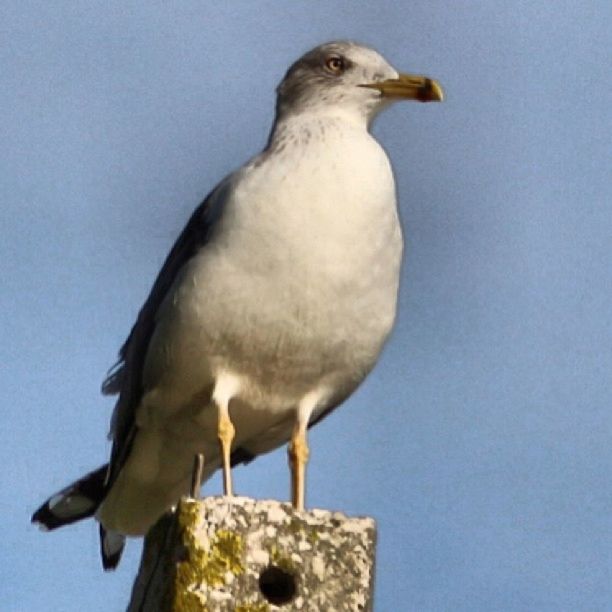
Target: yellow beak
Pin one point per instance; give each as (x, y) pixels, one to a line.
(410, 87)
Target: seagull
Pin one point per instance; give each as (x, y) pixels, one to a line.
(271, 308)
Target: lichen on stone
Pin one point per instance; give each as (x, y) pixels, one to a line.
(252, 607)
(204, 567)
(189, 601)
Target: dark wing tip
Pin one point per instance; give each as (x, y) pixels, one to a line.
(110, 562)
(77, 501)
(111, 548)
(47, 520)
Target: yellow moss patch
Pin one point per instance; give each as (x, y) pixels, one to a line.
(204, 567)
(188, 601)
(252, 607)
(188, 514)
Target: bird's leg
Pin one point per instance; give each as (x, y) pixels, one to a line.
(298, 458)
(196, 475)
(226, 433)
(227, 386)
(298, 448)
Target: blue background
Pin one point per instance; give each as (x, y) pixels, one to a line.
(482, 443)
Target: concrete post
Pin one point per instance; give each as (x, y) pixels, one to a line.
(242, 555)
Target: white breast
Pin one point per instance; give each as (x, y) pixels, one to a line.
(301, 279)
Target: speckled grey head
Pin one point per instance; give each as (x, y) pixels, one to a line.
(351, 78)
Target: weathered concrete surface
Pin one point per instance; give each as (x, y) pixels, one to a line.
(241, 555)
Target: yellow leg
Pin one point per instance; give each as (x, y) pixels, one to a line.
(226, 433)
(298, 458)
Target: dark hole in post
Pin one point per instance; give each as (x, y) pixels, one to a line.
(277, 586)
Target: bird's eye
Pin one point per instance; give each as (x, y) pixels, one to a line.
(335, 64)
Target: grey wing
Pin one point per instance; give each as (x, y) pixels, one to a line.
(125, 378)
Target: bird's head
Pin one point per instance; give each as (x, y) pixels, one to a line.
(344, 77)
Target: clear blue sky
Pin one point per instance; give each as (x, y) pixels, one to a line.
(482, 443)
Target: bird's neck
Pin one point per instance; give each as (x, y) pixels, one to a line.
(315, 123)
